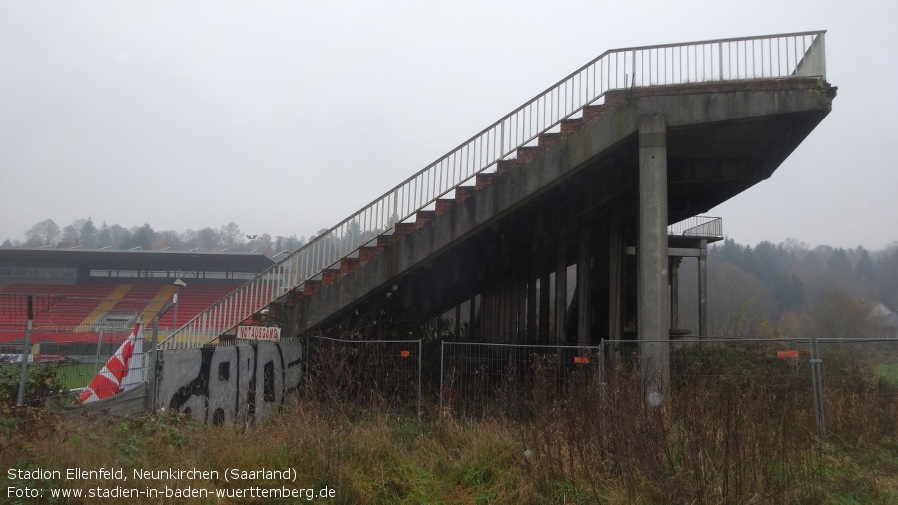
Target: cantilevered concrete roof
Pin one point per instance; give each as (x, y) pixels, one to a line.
(135, 260)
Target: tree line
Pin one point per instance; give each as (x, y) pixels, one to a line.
(85, 233)
(791, 289)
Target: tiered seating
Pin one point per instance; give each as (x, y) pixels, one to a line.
(60, 307)
(193, 299)
(13, 313)
(66, 313)
(137, 298)
(105, 306)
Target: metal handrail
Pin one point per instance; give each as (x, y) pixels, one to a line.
(697, 226)
(762, 57)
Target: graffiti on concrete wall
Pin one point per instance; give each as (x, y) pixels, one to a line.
(221, 385)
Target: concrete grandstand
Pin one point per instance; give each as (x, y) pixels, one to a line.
(78, 294)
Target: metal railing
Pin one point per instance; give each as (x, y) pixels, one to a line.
(698, 226)
(774, 56)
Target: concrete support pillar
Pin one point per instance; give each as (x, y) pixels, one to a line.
(583, 303)
(653, 304)
(531, 307)
(674, 292)
(615, 276)
(506, 289)
(472, 315)
(703, 290)
(560, 294)
(544, 308)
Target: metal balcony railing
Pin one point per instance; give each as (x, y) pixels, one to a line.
(772, 56)
(699, 227)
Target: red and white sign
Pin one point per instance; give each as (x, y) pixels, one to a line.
(267, 333)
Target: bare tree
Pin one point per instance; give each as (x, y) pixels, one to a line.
(230, 235)
(42, 234)
(71, 234)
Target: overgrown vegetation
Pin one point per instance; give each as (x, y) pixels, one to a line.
(737, 426)
(40, 382)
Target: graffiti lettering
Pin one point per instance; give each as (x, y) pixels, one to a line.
(231, 384)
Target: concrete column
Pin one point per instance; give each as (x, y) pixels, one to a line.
(544, 308)
(531, 307)
(675, 292)
(583, 303)
(472, 315)
(651, 256)
(703, 290)
(560, 294)
(615, 273)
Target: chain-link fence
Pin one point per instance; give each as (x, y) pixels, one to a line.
(61, 370)
(483, 380)
(371, 373)
(737, 421)
(805, 376)
(64, 342)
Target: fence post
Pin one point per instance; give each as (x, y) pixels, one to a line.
(442, 374)
(817, 385)
(153, 356)
(603, 386)
(23, 373)
(99, 345)
(420, 358)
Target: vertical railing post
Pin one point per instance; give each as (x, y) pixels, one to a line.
(720, 60)
(393, 219)
(501, 141)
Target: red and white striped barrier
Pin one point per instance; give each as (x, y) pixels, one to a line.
(121, 373)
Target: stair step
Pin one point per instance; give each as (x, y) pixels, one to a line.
(526, 153)
(311, 287)
(549, 139)
(403, 229)
(424, 217)
(348, 265)
(484, 180)
(383, 242)
(367, 252)
(444, 205)
(294, 298)
(570, 125)
(462, 193)
(591, 112)
(506, 166)
(329, 275)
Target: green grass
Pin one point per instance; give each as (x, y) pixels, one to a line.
(888, 372)
(385, 460)
(75, 375)
(743, 434)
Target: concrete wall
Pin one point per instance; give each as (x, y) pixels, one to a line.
(230, 384)
(130, 402)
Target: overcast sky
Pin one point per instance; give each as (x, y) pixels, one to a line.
(286, 117)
